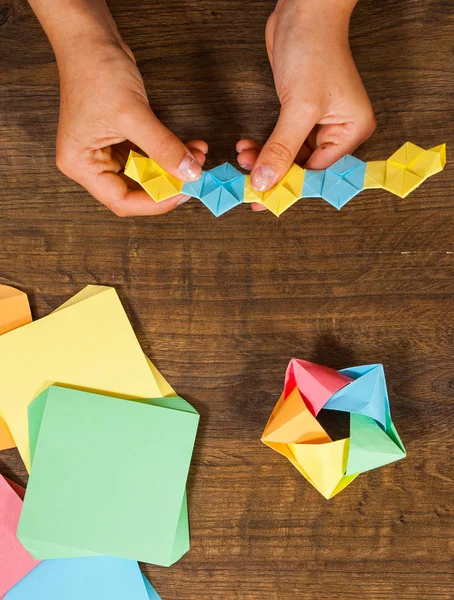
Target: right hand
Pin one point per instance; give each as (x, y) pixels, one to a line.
(104, 113)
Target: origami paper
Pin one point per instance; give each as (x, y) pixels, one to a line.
(220, 189)
(15, 561)
(338, 184)
(406, 169)
(294, 431)
(14, 312)
(251, 194)
(286, 192)
(159, 184)
(88, 343)
(98, 578)
(128, 463)
(223, 187)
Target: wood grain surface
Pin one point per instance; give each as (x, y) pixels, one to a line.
(222, 305)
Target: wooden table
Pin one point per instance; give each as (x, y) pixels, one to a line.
(222, 305)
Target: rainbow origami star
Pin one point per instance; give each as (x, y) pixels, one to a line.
(224, 187)
(294, 431)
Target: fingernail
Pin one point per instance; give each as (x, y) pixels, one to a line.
(263, 178)
(190, 168)
(183, 200)
(246, 167)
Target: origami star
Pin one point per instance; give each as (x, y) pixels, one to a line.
(338, 184)
(294, 432)
(159, 184)
(251, 194)
(406, 169)
(286, 192)
(220, 189)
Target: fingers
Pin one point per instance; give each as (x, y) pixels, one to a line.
(280, 150)
(112, 191)
(248, 152)
(334, 141)
(198, 149)
(144, 129)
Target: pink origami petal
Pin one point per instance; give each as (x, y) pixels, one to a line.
(315, 383)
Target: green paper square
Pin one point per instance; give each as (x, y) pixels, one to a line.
(108, 477)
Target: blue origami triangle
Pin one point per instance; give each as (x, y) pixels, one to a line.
(225, 172)
(236, 187)
(313, 184)
(194, 188)
(366, 395)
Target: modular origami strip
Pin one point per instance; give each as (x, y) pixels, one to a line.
(224, 187)
(294, 432)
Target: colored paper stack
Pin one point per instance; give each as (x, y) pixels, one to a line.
(294, 432)
(224, 187)
(108, 445)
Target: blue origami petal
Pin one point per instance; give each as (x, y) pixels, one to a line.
(225, 172)
(194, 188)
(345, 164)
(236, 187)
(356, 177)
(219, 201)
(313, 184)
(210, 184)
(366, 395)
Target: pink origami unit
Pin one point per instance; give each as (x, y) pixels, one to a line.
(294, 431)
(224, 187)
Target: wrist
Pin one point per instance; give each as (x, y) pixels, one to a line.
(77, 27)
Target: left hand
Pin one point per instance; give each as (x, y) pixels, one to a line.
(325, 111)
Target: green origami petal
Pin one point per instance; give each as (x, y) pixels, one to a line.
(370, 446)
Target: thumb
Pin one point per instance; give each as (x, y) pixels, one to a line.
(145, 130)
(280, 150)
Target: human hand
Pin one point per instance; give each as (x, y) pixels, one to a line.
(104, 113)
(325, 111)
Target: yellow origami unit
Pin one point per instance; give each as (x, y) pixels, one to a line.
(159, 184)
(406, 169)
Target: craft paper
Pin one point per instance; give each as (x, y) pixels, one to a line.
(159, 184)
(100, 578)
(108, 477)
(88, 344)
(14, 312)
(294, 431)
(286, 192)
(15, 561)
(406, 169)
(222, 188)
(338, 184)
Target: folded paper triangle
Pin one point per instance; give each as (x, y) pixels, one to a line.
(365, 395)
(143, 449)
(288, 191)
(316, 383)
(325, 464)
(370, 446)
(159, 184)
(294, 423)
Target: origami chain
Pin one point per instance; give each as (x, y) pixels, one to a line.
(224, 187)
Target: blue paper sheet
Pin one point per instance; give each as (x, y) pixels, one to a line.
(98, 578)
